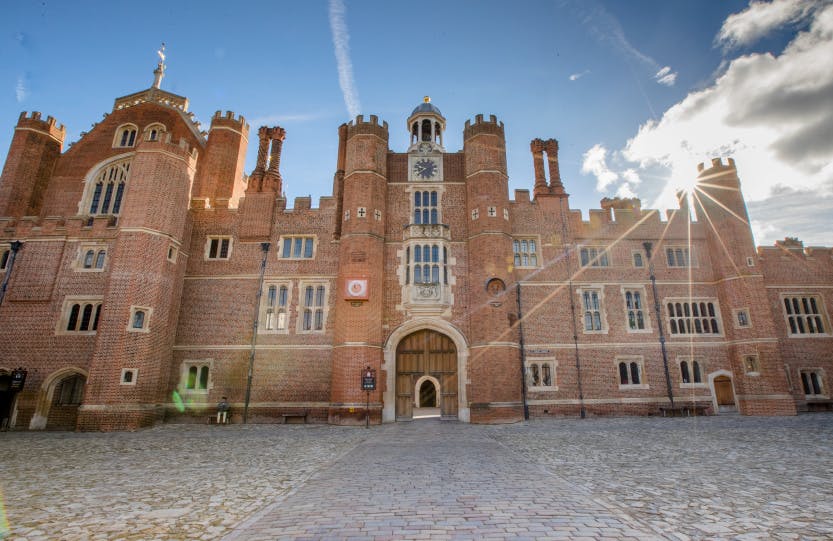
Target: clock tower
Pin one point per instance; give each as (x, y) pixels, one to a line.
(426, 126)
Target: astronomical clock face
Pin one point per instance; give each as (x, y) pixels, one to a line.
(425, 169)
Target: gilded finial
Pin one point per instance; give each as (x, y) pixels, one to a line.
(427, 99)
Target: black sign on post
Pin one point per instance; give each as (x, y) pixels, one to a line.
(18, 379)
(368, 384)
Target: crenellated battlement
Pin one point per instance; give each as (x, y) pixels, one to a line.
(792, 247)
(717, 165)
(489, 127)
(371, 127)
(229, 120)
(48, 126)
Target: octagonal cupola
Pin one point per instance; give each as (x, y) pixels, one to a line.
(426, 126)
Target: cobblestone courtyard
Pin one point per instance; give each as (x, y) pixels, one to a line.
(624, 478)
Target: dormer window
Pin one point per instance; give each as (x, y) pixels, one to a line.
(125, 135)
(154, 132)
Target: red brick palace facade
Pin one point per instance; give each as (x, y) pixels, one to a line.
(145, 273)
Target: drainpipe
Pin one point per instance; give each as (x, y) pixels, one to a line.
(15, 247)
(265, 247)
(523, 352)
(648, 246)
(569, 261)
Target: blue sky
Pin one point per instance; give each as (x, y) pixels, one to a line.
(636, 92)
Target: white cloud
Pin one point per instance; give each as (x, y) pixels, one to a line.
(595, 163)
(577, 76)
(341, 42)
(21, 92)
(761, 18)
(666, 77)
(773, 113)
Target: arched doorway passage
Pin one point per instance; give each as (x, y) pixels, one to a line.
(6, 400)
(60, 396)
(426, 373)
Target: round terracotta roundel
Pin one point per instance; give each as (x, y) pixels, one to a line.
(357, 288)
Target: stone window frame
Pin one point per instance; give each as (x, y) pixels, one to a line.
(314, 307)
(738, 314)
(303, 250)
(682, 301)
(200, 365)
(219, 239)
(629, 360)
(802, 316)
(552, 363)
(646, 312)
(598, 288)
(95, 301)
(423, 188)
(506, 214)
(637, 254)
(119, 179)
(134, 311)
(806, 382)
(148, 135)
(678, 250)
(173, 252)
(690, 360)
(263, 320)
(97, 249)
(751, 364)
(517, 255)
(131, 380)
(594, 256)
(122, 137)
(441, 264)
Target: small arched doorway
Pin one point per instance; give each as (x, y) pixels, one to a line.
(426, 362)
(724, 394)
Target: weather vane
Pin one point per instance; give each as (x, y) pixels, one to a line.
(161, 52)
(159, 72)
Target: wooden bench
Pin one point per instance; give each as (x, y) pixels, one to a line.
(295, 418)
(689, 410)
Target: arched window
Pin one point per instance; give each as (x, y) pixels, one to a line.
(105, 190)
(684, 372)
(125, 135)
(73, 317)
(99, 260)
(86, 316)
(88, 259)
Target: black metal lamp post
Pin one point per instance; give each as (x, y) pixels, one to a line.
(648, 246)
(15, 247)
(264, 246)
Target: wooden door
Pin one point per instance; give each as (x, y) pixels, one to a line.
(723, 391)
(424, 353)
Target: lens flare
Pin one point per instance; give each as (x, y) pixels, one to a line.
(5, 530)
(178, 402)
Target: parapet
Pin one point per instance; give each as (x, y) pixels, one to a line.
(717, 163)
(372, 127)
(228, 120)
(182, 148)
(48, 126)
(480, 126)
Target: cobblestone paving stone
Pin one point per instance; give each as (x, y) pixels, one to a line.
(626, 478)
(739, 478)
(169, 482)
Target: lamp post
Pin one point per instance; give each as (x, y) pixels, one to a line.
(264, 246)
(15, 247)
(648, 246)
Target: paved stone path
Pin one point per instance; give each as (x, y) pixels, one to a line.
(639, 478)
(435, 480)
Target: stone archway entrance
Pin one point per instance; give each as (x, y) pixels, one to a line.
(724, 394)
(426, 353)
